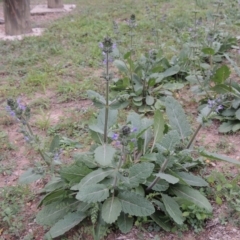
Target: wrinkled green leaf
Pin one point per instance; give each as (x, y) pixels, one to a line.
(172, 209)
(158, 127)
(173, 86)
(169, 178)
(53, 184)
(111, 209)
(236, 127)
(31, 175)
(122, 67)
(162, 221)
(192, 195)
(68, 222)
(54, 144)
(104, 155)
(74, 173)
(150, 100)
(170, 140)
(125, 222)
(134, 204)
(221, 75)
(237, 114)
(93, 178)
(93, 193)
(54, 196)
(208, 51)
(86, 158)
(221, 88)
(226, 127)
(55, 211)
(139, 172)
(160, 186)
(177, 117)
(171, 71)
(191, 179)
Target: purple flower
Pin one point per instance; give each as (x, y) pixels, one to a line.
(220, 107)
(211, 103)
(133, 140)
(134, 129)
(117, 143)
(215, 104)
(115, 136)
(57, 155)
(100, 45)
(27, 139)
(10, 111)
(20, 106)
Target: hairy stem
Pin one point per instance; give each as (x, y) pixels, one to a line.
(121, 160)
(197, 131)
(160, 171)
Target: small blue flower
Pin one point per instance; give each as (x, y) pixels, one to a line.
(115, 136)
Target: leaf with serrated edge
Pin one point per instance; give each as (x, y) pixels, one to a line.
(93, 193)
(30, 176)
(147, 135)
(169, 178)
(54, 184)
(162, 221)
(170, 140)
(111, 209)
(134, 204)
(104, 154)
(177, 117)
(158, 126)
(173, 209)
(193, 196)
(160, 186)
(95, 177)
(51, 213)
(125, 223)
(191, 179)
(65, 224)
(139, 172)
(74, 173)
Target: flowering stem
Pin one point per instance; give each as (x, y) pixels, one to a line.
(32, 135)
(107, 100)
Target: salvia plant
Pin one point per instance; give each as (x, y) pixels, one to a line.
(141, 169)
(146, 167)
(50, 156)
(144, 80)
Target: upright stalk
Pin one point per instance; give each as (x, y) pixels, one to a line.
(107, 46)
(107, 100)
